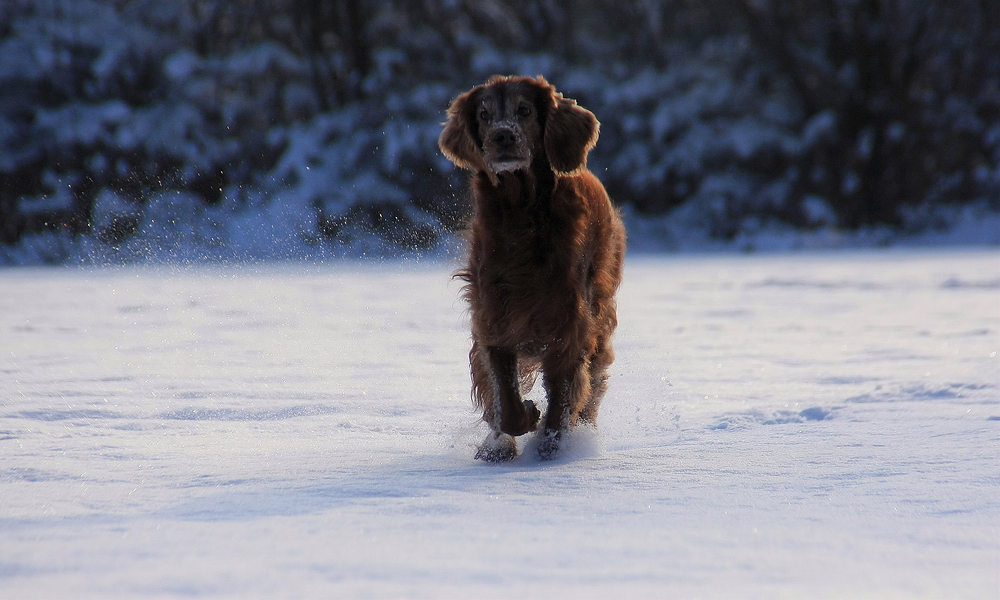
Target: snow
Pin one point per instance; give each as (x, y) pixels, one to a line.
(778, 425)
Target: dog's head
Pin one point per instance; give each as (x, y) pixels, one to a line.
(505, 123)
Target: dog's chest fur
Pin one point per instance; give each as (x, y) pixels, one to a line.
(522, 230)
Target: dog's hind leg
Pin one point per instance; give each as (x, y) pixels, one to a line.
(527, 372)
(599, 364)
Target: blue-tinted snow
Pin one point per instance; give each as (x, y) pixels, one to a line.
(778, 425)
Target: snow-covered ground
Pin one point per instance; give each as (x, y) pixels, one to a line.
(784, 425)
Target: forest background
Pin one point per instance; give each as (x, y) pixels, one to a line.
(192, 129)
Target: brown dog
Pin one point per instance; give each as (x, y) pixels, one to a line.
(545, 258)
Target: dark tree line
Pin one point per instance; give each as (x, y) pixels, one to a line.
(911, 86)
(841, 113)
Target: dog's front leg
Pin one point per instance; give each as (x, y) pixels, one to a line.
(506, 413)
(516, 416)
(567, 391)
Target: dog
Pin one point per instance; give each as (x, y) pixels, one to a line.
(545, 254)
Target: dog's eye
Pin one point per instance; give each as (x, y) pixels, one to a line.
(524, 111)
(484, 115)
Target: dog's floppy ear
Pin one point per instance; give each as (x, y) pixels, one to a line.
(458, 140)
(570, 132)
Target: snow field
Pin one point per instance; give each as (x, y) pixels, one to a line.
(811, 425)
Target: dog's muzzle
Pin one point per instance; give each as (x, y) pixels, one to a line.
(506, 148)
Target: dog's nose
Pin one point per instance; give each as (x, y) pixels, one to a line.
(504, 137)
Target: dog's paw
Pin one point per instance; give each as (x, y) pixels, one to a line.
(524, 423)
(497, 448)
(549, 446)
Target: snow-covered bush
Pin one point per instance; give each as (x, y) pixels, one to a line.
(131, 129)
(900, 101)
(848, 114)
